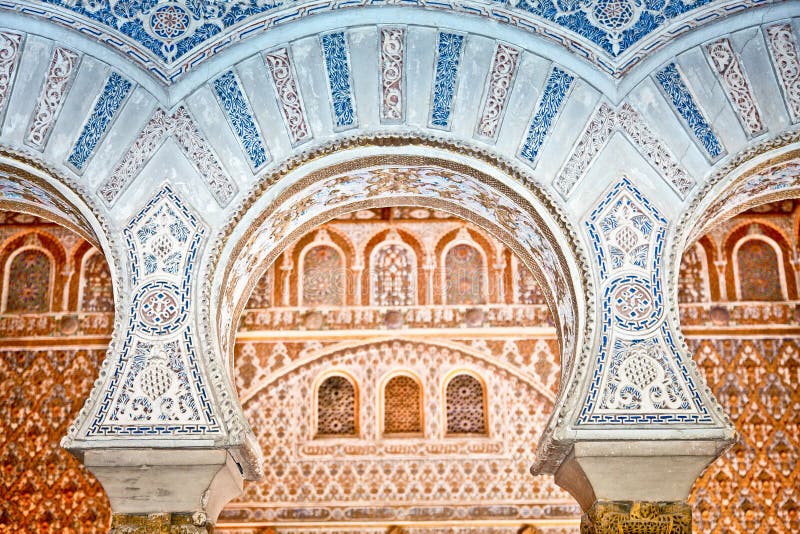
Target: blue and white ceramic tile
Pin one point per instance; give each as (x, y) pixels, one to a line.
(105, 109)
(558, 85)
(231, 97)
(334, 48)
(683, 102)
(448, 57)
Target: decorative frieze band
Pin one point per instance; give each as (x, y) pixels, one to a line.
(602, 124)
(337, 63)
(240, 115)
(555, 92)
(10, 45)
(677, 92)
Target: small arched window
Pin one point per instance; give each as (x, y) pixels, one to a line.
(322, 282)
(526, 288)
(466, 405)
(337, 406)
(393, 277)
(465, 272)
(29, 282)
(759, 270)
(402, 406)
(96, 293)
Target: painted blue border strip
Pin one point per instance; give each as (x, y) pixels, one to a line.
(556, 89)
(334, 48)
(231, 97)
(683, 102)
(107, 105)
(448, 57)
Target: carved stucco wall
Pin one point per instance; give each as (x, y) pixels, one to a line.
(752, 488)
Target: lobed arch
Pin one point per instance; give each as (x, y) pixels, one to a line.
(453, 239)
(765, 172)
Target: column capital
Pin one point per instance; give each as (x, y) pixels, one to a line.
(638, 517)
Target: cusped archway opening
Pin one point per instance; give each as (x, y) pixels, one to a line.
(397, 317)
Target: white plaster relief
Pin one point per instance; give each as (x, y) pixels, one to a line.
(498, 91)
(290, 101)
(60, 73)
(783, 49)
(183, 128)
(392, 66)
(736, 83)
(10, 44)
(602, 124)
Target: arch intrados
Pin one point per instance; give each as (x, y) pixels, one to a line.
(248, 258)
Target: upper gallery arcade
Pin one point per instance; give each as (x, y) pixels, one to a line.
(199, 146)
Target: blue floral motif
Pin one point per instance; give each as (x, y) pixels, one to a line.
(335, 50)
(675, 88)
(232, 98)
(614, 26)
(444, 86)
(555, 91)
(107, 105)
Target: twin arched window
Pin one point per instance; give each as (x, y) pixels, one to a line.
(403, 406)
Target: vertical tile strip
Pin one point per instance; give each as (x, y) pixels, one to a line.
(10, 44)
(498, 89)
(334, 48)
(783, 49)
(683, 103)
(594, 137)
(105, 109)
(392, 59)
(448, 57)
(555, 91)
(233, 101)
(60, 73)
(290, 102)
(736, 84)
